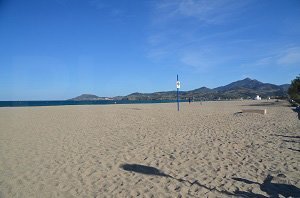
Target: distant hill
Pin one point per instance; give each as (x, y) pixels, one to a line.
(285, 87)
(246, 88)
(89, 97)
(202, 90)
(247, 83)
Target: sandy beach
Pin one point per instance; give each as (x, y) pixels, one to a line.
(150, 150)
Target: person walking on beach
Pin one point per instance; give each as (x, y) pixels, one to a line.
(298, 111)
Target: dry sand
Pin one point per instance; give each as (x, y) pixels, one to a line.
(150, 150)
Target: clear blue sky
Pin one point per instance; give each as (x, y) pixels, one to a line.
(58, 49)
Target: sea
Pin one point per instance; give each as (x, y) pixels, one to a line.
(72, 102)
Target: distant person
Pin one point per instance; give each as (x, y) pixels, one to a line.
(298, 111)
(189, 100)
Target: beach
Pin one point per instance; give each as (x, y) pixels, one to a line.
(206, 149)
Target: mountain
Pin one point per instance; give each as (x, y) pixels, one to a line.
(246, 83)
(250, 88)
(285, 87)
(89, 97)
(166, 95)
(202, 90)
(246, 88)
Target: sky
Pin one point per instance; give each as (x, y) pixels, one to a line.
(59, 49)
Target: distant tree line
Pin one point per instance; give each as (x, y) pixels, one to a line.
(294, 90)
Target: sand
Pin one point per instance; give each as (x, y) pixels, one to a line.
(150, 150)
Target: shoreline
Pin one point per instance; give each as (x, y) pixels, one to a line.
(46, 103)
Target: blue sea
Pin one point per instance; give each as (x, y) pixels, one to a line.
(70, 102)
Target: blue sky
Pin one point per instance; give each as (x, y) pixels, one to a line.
(58, 49)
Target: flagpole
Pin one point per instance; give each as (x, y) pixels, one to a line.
(177, 95)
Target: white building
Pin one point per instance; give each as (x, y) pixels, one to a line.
(257, 98)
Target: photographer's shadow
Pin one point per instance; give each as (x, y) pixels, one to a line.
(272, 189)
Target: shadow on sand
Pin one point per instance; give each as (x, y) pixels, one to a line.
(286, 136)
(297, 110)
(294, 149)
(148, 170)
(264, 104)
(272, 189)
(268, 104)
(292, 140)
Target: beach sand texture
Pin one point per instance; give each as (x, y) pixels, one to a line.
(150, 150)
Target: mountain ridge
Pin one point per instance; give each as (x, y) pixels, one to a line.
(245, 88)
(89, 97)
